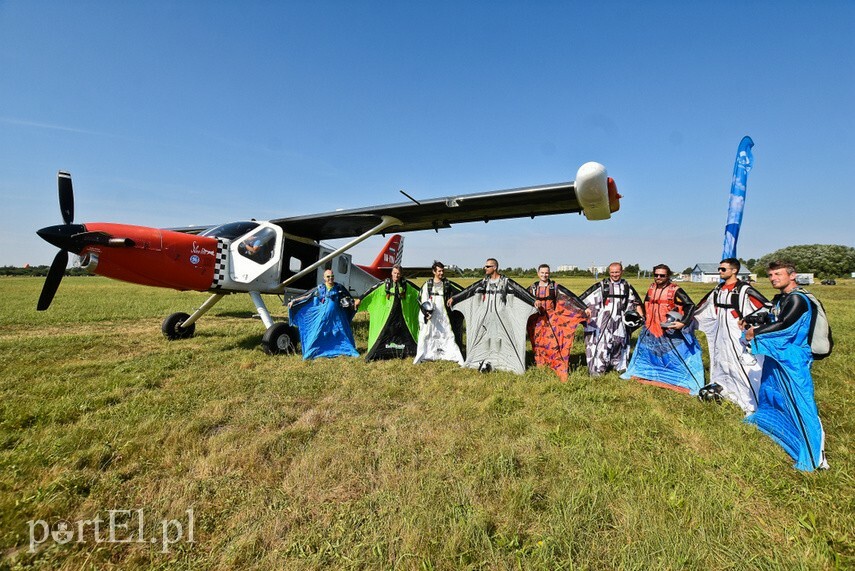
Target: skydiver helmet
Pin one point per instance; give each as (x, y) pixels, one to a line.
(671, 318)
(346, 302)
(711, 393)
(632, 319)
(427, 307)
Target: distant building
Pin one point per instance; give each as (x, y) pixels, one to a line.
(566, 268)
(598, 269)
(708, 274)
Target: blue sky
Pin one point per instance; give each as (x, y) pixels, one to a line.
(175, 113)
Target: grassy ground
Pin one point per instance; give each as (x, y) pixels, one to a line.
(340, 464)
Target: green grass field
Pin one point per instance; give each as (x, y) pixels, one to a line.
(288, 464)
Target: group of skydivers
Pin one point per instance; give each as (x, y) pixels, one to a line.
(760, 350)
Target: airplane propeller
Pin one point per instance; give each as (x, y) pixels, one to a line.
(66, 196)
(60, 236)
(70, 237)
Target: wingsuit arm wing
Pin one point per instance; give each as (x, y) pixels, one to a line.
(704, 300)
(303, 298)
(588, 293)
(683, 299)
(519, 291)
(755, 300)
(466, 293)
(454, 286)
(369, 296)
(635, 298)
(571, 298)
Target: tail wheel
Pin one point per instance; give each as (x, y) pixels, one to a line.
(172, 329)
(280, 338)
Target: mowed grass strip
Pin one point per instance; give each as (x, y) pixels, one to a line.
(339, 463)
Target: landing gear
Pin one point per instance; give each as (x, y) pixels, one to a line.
(172, 327)
(181, 325)
(280, 338)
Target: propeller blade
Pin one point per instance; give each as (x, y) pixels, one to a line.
(57, 270)
(66, 196)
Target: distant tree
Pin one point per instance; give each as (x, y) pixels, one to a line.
(632, 269)
(688, 270)
(823, 260)
(38, 271)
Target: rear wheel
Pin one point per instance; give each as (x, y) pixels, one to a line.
(280, 338)
(172, 329)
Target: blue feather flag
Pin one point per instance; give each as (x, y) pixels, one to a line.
(741, 168)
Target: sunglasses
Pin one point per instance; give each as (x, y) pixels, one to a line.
(485, 267)
(660, 275)
(723, 269)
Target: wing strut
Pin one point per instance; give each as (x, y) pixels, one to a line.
(386, 222)
(209, 303)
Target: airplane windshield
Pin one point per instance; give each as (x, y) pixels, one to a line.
(231, 230)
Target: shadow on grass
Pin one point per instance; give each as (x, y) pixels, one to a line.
(238, 314)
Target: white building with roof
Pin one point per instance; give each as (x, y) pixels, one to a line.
(708, 274)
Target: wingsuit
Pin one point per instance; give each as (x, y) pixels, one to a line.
(668, 358)
(732, 366)
(393, 327)
(553, 327)
(786, 409)
(496, 314)
(323, 322)
(606, 335)
(440, 331)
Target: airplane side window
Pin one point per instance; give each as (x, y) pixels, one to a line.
(258, 246)
(295, 265)
(342, 265)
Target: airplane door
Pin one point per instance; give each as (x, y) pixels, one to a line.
(255, 256)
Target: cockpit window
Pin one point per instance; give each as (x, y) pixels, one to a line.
(231, 230)
(258, 246)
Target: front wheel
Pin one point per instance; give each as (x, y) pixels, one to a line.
(172, 329)
(278, 339)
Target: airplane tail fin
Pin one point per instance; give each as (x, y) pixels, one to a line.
(391, 254)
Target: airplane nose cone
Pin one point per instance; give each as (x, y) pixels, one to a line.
(61, 236)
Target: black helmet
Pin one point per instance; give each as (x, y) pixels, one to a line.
(711, 393)
(632, 319)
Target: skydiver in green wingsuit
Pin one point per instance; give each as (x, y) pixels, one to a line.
(393, 309)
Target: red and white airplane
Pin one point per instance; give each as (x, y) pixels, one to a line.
(285, 256)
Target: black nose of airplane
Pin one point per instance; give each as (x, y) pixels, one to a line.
(62, 236)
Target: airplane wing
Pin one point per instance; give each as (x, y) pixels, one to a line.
(591, 194)
(193, 229)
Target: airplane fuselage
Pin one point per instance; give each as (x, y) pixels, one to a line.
(259, 258)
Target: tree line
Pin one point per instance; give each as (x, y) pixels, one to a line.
(40, 271)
